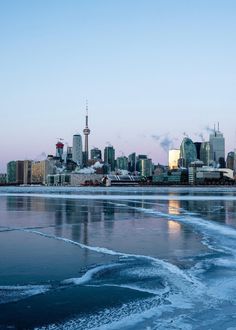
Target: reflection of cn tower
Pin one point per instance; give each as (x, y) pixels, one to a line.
(86, 133)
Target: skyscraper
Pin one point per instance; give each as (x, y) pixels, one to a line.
(174, 155)
(96, 154)
(205, 153)
(59, 149)
(198, 148)
(122, 163)
(109, 157)
(217, 146)
(230, 160)
(77, 149)
(86, 133)
(132, 162)
(11, 172)
(188, 152)
(27, 171)
(145, 167)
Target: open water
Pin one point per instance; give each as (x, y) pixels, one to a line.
(118, 258)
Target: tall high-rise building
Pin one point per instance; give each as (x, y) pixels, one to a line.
(231, 160)
(140, 157)
(122, 163)
(188, 152)
(217, 145)
(15, 172)
(11, 172)
(205, 156)
(86, 134)
(132, 162)
(19, 171)
(77, 150)
(198, 148)
(27, 171)
(145, 166)
(40, 170)
(69, 153)
(174, 155)
(96, 154)
(109, 157)
(59, 149)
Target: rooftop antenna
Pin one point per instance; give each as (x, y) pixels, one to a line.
(86, 113)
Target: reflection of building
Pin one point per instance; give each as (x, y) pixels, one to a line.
(174, 206)
(174, 155)
(188, 152)
(217, 145)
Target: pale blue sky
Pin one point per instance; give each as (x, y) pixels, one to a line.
(146, 67)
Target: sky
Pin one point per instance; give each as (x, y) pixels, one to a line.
(153, 71)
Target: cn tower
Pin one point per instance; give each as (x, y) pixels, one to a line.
(86, 133)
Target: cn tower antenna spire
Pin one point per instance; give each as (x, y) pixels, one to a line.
(87, 113)
(86, 134)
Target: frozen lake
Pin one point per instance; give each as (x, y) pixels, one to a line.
(118, 258)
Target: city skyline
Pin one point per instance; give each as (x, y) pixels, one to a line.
(151, 71)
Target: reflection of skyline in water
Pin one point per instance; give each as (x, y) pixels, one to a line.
(190, 255)
(88, 221)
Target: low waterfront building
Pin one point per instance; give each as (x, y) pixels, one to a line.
(74, 179)
(213, 176)
(122, 180)
(174, 177)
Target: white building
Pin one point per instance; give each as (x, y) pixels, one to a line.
(173, 159)
(77, 149)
